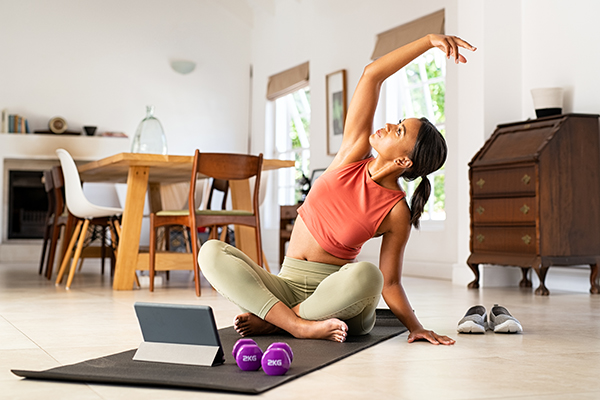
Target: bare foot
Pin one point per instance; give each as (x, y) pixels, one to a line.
(289, 320)
(248, 324)
(330, 329)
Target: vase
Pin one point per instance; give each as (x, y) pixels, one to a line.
(150, 136)
(547, 101)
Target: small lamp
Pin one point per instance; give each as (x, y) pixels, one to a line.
(183, 67)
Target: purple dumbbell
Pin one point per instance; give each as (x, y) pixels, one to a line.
(277, 359)
(285, 346)
(247, 355)
(240, 343)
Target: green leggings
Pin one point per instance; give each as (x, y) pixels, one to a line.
(350, 293)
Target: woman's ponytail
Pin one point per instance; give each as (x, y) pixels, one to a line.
(418, 201)
(428, 155)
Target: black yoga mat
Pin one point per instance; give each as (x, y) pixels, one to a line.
(309, 355)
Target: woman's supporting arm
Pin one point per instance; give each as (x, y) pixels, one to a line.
(390, 263)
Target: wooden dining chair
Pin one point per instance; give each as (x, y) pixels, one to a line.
(63, 220)
(50, 215)
(224, 166)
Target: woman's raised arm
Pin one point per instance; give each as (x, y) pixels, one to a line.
(359, 121)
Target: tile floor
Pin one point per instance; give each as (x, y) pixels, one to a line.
(557, 357)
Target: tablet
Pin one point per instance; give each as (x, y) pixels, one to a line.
(178, 333)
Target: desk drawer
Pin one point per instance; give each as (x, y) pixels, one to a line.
(520, 240)
(508, 210)
(507, 181)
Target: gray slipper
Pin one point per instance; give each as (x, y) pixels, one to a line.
(474, 321)
(502, 322)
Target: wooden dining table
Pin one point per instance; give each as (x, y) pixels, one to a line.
(147, 172)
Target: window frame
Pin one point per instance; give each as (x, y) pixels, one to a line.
(283, 148)
(396, 96)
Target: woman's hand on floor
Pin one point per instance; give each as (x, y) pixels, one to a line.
(431, 336)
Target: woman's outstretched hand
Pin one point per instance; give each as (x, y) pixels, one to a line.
(450, 45)
(431, 336)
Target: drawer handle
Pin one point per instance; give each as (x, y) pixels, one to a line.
(480, 238)
(480, 183)
(480, 210)
(525, 209)
(526, 239)
(526, 179)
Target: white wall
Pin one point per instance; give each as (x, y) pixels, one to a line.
(101, 62)
(560, 48)
(488, 93)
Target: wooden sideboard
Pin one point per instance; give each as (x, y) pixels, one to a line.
(534, 190)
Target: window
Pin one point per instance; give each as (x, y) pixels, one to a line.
(292, 134)
(418, 90)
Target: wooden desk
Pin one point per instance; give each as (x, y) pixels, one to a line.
(144, 172)
(534, 191)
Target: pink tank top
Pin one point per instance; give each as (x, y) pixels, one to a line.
(345, 207)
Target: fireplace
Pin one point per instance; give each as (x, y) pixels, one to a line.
(27, 205)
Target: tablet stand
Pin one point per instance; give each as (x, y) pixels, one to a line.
(178, 353)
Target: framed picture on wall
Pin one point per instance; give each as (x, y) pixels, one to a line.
(335, 84)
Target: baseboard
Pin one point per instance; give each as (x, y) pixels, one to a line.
(417, 268)
(427, 269)
(573, 278)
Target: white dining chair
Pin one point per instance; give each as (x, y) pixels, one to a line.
(83, 209)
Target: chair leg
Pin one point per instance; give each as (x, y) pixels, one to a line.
(167, 237)
(118, 228)
(45, 246)
(213, 232)
(116, 234)
(68, 252)
(102, 249)
(77, 254)
(152, 253)
(195, 250)
(223, 237)
(265, 262)
(186, 238)
(114, 237)
(115, 248)
(52, 254)
(68, 234)
(259, 252)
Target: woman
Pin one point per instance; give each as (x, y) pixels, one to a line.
(321, 291)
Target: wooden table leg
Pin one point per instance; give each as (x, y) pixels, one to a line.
(129, 242)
